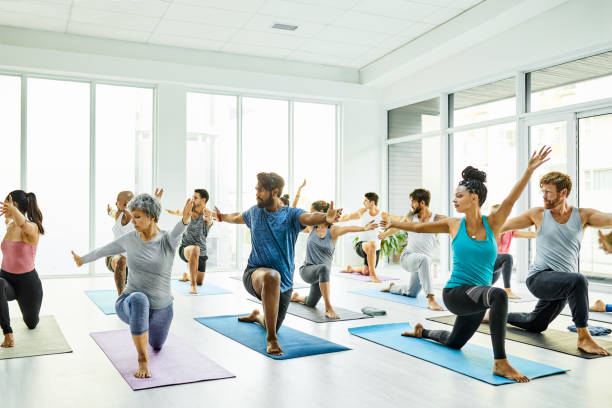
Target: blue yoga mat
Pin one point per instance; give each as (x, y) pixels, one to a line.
(293, 342)
(419, 301)
(204, 290)
(104, 299)
(473, 361)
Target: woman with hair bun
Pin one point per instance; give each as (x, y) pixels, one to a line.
(468, 293)
(18, 277)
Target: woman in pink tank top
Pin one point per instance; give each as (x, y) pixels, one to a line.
(18, 278)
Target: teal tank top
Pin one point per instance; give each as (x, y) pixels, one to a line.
(473, 260)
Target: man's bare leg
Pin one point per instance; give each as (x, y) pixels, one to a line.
(432, 304)
(192, 254)
(352, 269)
(587, 344)
(598, 306)
(329, 310)
(200, 278)
(266, 283)
(141, 342)
(296, 297)
(388, 288)
(370, 250)
(118, 263)
(184, 278)
(9, 341)
(511, 294)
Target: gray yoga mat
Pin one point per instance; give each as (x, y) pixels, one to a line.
(46, 338)
(604, 317)
(317, 314)
(556, 340)
(296, 285)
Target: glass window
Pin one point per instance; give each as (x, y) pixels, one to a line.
(58, 170)
(124, 150)
(10, 129)
(265, 148)
(583, 80)
(314, 135)
(595, 184)
(414, 119)
(485, 102)
(212, 127)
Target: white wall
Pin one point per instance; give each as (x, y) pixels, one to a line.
(572, 30)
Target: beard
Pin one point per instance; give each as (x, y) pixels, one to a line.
(267, 203)
(417, 210)
(548, 204)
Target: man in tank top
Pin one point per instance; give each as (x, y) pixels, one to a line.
(554, 277)
(416, 257)
(368, 245)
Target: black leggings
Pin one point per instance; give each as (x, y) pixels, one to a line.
(503, 266)
(26, 288)
(470, 304)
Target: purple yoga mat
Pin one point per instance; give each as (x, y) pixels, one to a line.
(176, 363)
(365, 278)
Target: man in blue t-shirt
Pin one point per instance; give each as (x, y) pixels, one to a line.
(274, 230)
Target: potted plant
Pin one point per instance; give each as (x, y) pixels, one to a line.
(392, 246)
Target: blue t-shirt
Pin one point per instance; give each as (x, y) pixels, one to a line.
(273, 236)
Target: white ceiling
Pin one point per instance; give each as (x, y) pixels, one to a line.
(349, 33)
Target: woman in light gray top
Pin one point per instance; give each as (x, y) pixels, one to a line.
(146, 302)
(319, 255)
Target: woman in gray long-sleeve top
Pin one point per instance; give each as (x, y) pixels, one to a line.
(146, 302)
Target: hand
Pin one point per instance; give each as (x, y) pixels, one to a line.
(7, 206)
(539, 158)
(217, 214)
(385, 224)
(174, 212)
(187, 211)
(382, 236)
(303, 184)
(108, 209)
(332, 215)
(605, 242)
(77, 259)
(370, 226)
(159, 192)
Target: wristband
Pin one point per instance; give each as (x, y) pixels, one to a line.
(219, 217)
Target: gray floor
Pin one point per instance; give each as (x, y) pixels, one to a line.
(367, 376)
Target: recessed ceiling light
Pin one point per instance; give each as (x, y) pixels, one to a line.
(287, 27)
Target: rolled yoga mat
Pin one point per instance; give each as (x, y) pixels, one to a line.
(296, 285)
(551, 339)
(419, 301)
(472, 360)
(604, 317)
(204, 290)
(317, 314)
(293, 342)
(175, 363)
(104, 299)
(364, 278)
(46, 338)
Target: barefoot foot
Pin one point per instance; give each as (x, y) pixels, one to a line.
(193, 290)
(503, 368)
(143, 370)
(184, 278)
(598, 306)
(417, 332)
(511, 294)
(589, 346)
(297, 298)
(374, 279)
(253, 317)
(274, 348)
(388, 288)
(433, 305)
(330, 314)
(9, 341)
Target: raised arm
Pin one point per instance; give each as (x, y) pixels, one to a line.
(179, 228)
(353, 216)
(234, 218)
(438, 227)
(312, 219)
(297, 195)
(110, 211)
(29, 230)
(597, 219)
(499, 217)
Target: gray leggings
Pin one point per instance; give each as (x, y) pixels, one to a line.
(419, 266)
(314, 274)
(134, 310)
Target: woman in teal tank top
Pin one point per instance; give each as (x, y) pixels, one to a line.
(468, 293)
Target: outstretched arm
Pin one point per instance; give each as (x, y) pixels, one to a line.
(297, 195)
(597, 219)
(234, 218)
(524, 234)
(312, 219)
(353, 216)
(392, 231)
(339, 231)
(498, 218)
(523, 221)
(437, 227)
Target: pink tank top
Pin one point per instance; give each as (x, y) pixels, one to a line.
(17, 256)
(504, 241)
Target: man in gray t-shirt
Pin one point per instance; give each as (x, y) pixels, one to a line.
(193, 244)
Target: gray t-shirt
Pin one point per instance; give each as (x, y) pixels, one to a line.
(150, 263)
(196, 234)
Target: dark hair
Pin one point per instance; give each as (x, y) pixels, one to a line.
(560, 181)
(27, 204)
(270, 181)
(203, 193)
(372, 197)
(473, 181)
(420, 194)
(320, 206)
(285, 199)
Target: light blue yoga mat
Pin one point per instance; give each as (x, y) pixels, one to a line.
(472, 360)
(293, 342)
(104, 299)
(419, 301)
(204, 290)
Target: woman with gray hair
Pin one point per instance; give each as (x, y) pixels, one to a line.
(146, 302)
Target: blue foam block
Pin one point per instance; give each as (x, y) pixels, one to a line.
(204, 290)
(419, 301)
(473, 361)
(104, 299)
(293, 342)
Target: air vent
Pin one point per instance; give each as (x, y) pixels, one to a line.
(287, 27)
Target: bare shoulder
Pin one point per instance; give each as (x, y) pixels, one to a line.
(438, 217)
